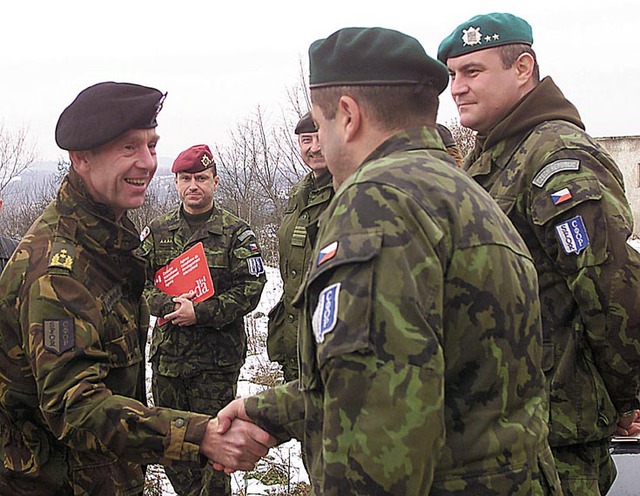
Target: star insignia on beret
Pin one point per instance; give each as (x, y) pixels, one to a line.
(471, 36)
(496, 37)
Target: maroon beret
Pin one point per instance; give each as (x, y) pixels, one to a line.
(104, 111)
(194, 159)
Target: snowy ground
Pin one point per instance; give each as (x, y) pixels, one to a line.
(286, 457)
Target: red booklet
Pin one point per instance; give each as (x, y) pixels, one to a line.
(188, 271)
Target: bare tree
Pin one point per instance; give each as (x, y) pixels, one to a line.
(17, 153)
(465, 137)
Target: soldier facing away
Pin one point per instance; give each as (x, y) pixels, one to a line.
(73, 323)
(565, 195)
(197, 352)
(307, 200)
(420, 339)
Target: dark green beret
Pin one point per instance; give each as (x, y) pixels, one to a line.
(104, 111)
(306, 125)
(485, 31)
(373, 56)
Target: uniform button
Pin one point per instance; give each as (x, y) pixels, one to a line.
(294, 273)
(305, 216)
(179, 422)
(290, 318)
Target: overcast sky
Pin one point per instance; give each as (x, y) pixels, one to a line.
(219, 60)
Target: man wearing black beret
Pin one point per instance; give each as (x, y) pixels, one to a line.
(73, 323)
(566, 196)
(420, 339)
(307, 200)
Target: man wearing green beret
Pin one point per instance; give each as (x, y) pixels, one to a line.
(73, 323)
(307, 200)
(566, 197)
(420, 338)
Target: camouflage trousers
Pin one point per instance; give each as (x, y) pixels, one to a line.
(585, 469)
(207, 392)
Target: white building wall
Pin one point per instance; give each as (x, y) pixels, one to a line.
(625, 150)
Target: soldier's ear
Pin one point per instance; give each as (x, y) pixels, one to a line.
(79, 160)
(350, 117)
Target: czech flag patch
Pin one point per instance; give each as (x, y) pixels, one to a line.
(327, 253)
(561, 196)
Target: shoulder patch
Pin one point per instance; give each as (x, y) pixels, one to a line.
(255, 265)
(325, 316)
(62, 255)
(327, 253)
(572, 235)
(549, 170)
(145, 233)
(59, 335)
(245, 234)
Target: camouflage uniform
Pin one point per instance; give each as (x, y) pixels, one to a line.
(420, 347)
(308, 199)
(73, 325)
(565, 196)
(196, 367)
(7, 247)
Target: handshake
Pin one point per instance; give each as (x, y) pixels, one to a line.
(233, 442)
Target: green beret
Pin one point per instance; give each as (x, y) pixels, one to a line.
(104, 111)
(372, 56)
(485, 31)
(306, 125)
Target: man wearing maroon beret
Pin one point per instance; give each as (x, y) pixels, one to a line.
(198, 348)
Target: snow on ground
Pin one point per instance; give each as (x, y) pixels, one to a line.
(286, 457)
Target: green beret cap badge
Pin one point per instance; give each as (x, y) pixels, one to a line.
(485, 31)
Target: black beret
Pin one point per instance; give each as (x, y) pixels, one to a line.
(104, 111)
(485, 31)
(306, 125)
(373, 56)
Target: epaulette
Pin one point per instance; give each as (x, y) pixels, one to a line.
(63, 251)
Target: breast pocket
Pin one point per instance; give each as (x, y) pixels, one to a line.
(122, 336)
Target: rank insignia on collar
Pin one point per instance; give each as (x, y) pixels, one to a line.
(327, 253)
(145, 233)
(471, 36)
(561, 196)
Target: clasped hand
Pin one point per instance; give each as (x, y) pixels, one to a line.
(232, 442)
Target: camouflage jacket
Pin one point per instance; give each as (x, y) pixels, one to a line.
(72, 332)
(7, 246)
(308, 199)
(420, 345)
(217, 341)
(565, 195)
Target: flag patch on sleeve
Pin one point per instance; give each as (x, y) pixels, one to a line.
(325, 316)
(561, 196)
(572, 235)
(327, 253)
